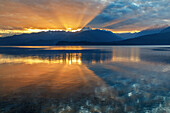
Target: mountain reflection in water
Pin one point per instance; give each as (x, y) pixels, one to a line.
(84, 79)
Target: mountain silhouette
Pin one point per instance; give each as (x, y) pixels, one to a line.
(166, 30)
(53, 37)
(152, 30)
(89, 37)
(162, 38)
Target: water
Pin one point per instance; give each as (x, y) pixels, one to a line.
(84, 79)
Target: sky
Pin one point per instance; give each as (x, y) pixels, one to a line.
(26, 16)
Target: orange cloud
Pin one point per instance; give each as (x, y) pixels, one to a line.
(49, 14)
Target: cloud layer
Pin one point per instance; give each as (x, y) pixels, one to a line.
(116, 15)
(133, 14)
(49, 14)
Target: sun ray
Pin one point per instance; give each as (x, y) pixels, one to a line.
(50, 15)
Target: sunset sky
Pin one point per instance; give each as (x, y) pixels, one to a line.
(26, 16)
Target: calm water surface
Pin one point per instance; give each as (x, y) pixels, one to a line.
(84, 79)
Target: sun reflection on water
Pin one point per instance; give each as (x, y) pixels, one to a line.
(77, 57)
(126, 55)
(72, 58)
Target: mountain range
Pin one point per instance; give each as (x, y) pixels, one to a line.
(152, 30)
(162, 38)
(155, 36)
(53, 37)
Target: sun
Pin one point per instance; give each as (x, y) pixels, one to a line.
(72, 30)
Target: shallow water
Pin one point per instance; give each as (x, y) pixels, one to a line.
(84, 79)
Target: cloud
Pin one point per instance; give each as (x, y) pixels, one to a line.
(64, 14)
(133, 14)
(49, 14)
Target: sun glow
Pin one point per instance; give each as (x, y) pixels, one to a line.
(65, 15)
(117, 31)
(4, 33)
(70, 30)
(125, 31)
